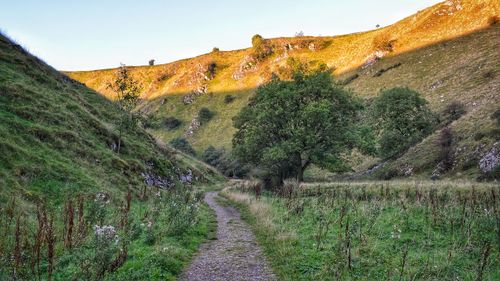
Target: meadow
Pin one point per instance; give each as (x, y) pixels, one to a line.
(376, 230)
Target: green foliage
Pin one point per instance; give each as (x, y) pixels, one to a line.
(205, 115)
(228, 99)
(445, 142)
(126, 88)
(224, 162)
(172, 123)
(257, 41)
(403, 118)
(215, 50)
(183, 145)
(261, 49)
(127, 91)
(289, 125)
(379, 231)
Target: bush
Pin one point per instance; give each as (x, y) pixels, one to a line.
(151, 62)
(402, 118)
(452, 112)
(183, 145)
(229, 99)
(445, 148)
(172, 123)
(215, 50)
(257, 41)
(205, 115)
(224, 162)
(210, 72)
(260, 49)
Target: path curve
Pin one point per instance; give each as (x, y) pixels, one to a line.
(234, 256)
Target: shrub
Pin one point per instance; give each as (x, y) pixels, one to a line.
(210, 72)
(260, 49)
(452, 112)
(224, 162)
(445, 148)
(257, 41)
(215, 50)
(172, 123)
(403, 118)
(229, 99)
(151, 62)
(183, 145)
(205, 115)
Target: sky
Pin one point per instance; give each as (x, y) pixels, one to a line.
(96, 34)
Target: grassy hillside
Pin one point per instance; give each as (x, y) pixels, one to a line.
(70, 205)
(447, 52)
(59, 135)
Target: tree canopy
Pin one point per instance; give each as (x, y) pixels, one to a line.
(289, 125)
(402, 117)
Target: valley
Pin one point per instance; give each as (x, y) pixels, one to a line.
(373, 155)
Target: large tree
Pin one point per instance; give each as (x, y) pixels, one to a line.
(289, 125)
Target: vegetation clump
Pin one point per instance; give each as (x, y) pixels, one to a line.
(183, 145)
(402, 118)
(229, 99)
(452, 112)
(225, 162)
(261, 49)
(172, 123)
(127, 91)
(205, 115)
(289, 125)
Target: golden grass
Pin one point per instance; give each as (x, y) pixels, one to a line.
(344, 53)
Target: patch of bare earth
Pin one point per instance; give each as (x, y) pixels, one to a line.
(235, 255)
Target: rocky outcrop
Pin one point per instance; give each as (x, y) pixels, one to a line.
(193, 127)
(491, 160)
(248, 64)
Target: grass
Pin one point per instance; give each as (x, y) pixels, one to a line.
(378, 231)
(56, 148)
(446, 57)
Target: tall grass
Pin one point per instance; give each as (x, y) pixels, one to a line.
(379, 231)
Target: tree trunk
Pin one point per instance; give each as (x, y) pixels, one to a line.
(304, 163)
(300, 174)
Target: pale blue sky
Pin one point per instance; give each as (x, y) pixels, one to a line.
(94, 34)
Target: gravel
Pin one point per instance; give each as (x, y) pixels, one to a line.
(235, 255)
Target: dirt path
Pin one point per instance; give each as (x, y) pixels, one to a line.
(235, 255)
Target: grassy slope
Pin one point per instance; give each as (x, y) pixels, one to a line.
(57, 134)
(431, 45)
(55, 147)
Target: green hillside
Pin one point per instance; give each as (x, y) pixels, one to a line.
(447, 52)
(63, 184)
